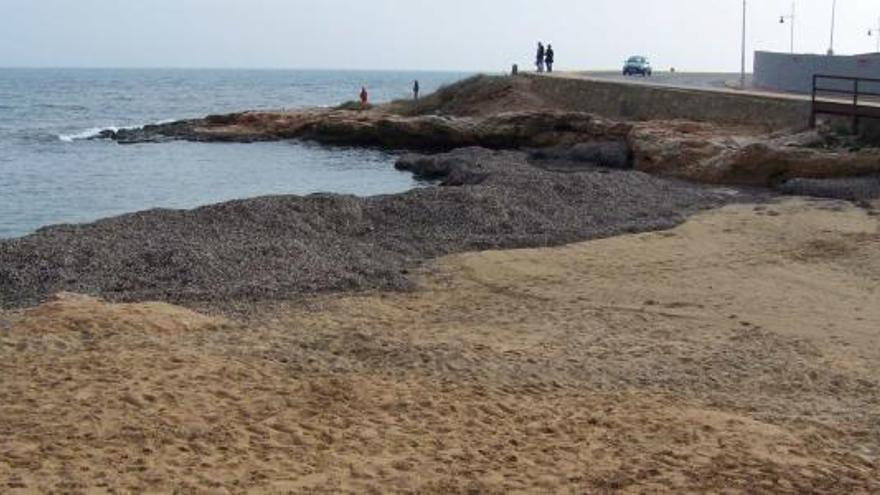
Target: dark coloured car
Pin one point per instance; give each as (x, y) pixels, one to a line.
(637, 65)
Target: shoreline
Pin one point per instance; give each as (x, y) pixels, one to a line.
(522, 172)
(274, 247)
(664, 129)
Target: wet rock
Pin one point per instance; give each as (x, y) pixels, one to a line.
(456, 169)
(608, 154)
(846, 188)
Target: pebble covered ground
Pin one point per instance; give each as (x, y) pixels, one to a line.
(275, 247)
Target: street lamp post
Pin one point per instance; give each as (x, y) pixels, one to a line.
(833, 19)
(742, 73)
(790, 18)
(875, 31)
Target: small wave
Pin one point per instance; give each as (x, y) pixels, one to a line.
(86, 134)
(58, 106)
(93, 132)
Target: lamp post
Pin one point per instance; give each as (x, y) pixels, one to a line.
(833, 19)
(790, 18)
(742, 73)
(875, 31)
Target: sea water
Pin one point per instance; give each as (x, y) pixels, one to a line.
(51, 171)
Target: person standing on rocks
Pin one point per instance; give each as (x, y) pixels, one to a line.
(539, 59)
(365, 97)
(549, 57)
(416, 89)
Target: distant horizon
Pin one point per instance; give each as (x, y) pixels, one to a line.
(305, 69)
(526, 69)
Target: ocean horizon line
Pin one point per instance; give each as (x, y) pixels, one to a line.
(267, 69)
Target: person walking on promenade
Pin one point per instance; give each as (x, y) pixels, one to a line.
(549, 58)
(416, 89)
(539, 59)
(365, 97)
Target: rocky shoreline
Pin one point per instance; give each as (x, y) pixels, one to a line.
(512, 117)
(535, 176)
(378, 128)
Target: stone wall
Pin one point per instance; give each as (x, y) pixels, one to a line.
(794, 72)
(631, 101)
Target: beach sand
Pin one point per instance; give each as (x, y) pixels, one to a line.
(737, 352)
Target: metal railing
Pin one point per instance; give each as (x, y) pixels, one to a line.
(855, 103)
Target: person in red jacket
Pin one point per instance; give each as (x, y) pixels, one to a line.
(365, 97)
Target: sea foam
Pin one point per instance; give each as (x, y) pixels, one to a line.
(94, 132)
(90, 133)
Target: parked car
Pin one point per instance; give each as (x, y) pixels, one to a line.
(637, 65)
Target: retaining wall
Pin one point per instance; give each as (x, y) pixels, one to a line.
(632, 101)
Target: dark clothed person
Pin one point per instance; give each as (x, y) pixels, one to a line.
(549, 58)
(539, 58)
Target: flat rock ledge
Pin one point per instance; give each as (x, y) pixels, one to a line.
(384, 129)
(701, 152)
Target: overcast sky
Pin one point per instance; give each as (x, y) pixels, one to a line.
(414, 34)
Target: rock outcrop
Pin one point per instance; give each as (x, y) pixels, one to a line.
(864, 190)
(388, 130)
(707, 153)
(507, 113)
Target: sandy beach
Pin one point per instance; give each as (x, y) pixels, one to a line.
(736, 352)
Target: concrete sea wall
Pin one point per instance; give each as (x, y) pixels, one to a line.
(649, 102)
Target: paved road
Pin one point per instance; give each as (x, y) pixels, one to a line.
(701, 81)
(698, 80)
(712, 81)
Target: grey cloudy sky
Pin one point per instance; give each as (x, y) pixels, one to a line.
(413, 34)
